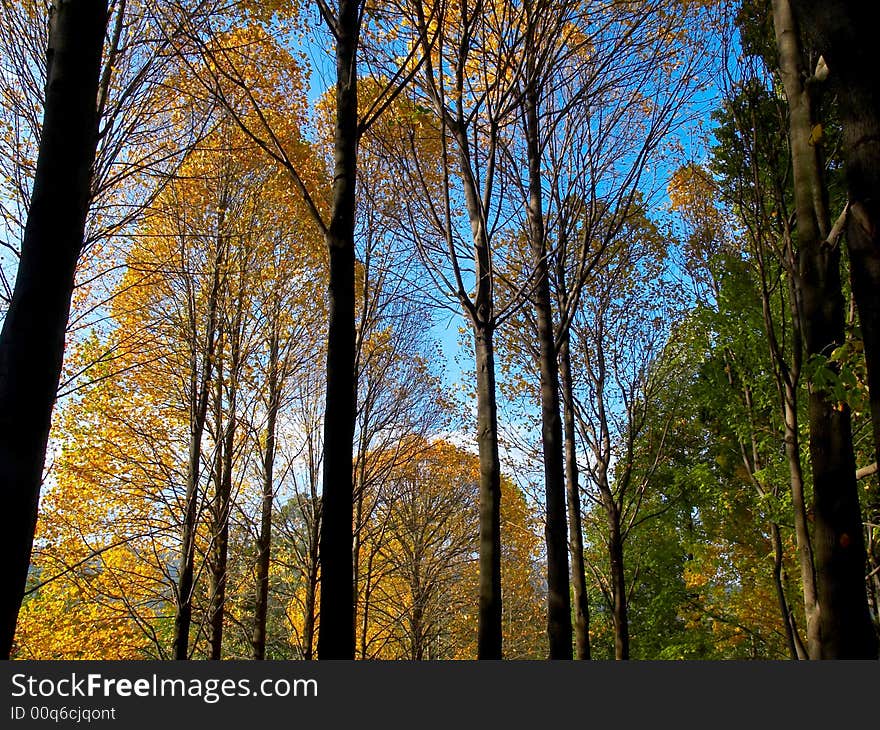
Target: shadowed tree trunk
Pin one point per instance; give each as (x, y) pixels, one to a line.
(845, 625)
(558, 598)
(32, 339)
(845, 33)
(223, 497)
(336, 630)
(489, 628)
(264, 539)
(575, 529)
(619, 605)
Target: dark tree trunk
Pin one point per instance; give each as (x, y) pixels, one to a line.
(264, 539)
(575, 529)
(223, 496)
(489, 642)
(311, 598)
(558, 599)
(619, 607)
(214, 557)
(844, 621)
(845, 33)
(336, 631)
(32, 339)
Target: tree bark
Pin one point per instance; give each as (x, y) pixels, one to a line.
(801, 525)
(337, 598)
(619, 606)
(312, 578)
(32, 339)
(215, 549)
(200, 377)
(489, 641)
(845, 33)
(845, 624)
(575, 529)
(264, 539)
(558, 599)
(796, 649)
(223, 496)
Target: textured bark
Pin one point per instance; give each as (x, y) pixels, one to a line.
(575, 529)
(32, 339)
(839, 550)
(336, 631)
(558, 599)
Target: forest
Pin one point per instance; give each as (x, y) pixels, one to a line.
(439, 329)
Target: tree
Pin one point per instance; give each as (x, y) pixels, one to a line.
(841, 34)
(845, 624)
(625, 323)
(32, 338)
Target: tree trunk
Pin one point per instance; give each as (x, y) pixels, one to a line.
(801, 525)
(575, 530)
(215, 576)
(336, 632)
(845, 33)
(200, 377)
(795, 647)
(618, 584)
(312, 580)
(558, 599)
(845, 624)
(32, 339)
(264, 539)
(489, 641)
(223, 496)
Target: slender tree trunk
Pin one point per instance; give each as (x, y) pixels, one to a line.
(312, 580)
(795, 646)
(32, 339)
(336, 633)
(789, 378)
(845, 624)
(417, 652)
(264, 539)
(200, 378)
(366, 606)
(558, 599)
(618, 584)
(362, 620)
(489, 643)
(575, 529)
(215, 576)
(752, 464)
(223, 496)
(801, 524)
